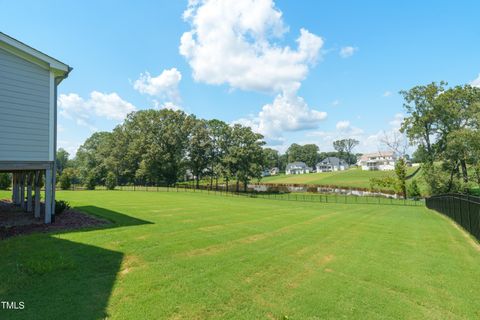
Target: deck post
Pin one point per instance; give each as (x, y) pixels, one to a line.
(36, 183)
(22, 190)
(16, 190)
(48, 195)
(29, 192)
(14, 186)
(54, 189)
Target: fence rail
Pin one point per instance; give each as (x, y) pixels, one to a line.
(463, 209)
(305, 197)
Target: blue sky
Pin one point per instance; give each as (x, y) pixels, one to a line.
(250, 62)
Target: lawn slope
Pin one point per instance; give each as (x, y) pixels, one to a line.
(197, 256)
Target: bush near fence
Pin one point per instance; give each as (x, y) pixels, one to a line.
(464, 209)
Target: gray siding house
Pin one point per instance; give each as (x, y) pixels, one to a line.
(28, 118)
(332, 164)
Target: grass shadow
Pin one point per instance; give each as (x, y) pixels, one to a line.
(60, 279)
(116, 218)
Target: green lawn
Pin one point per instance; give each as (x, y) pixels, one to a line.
(196, 256)
(354, 177)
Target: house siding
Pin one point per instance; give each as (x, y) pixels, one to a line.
(24, 110)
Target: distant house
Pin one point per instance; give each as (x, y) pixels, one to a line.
(381, 161)
(274, 171)
(297, 167)
(332, 164)
(266, 173)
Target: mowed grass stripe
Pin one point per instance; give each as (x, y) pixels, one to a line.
(276, 259)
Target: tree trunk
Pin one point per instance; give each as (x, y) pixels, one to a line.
(428, 144)
(226, 182)
(238, 185)
(245, 186)
(450, 182)
(464, 170)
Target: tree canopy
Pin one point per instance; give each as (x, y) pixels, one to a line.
(444, 124)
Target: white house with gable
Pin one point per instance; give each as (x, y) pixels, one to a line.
(297, 167)
(381, 161)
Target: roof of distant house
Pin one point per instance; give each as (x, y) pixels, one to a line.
(334, 161)
(366, 156)
(296, 164)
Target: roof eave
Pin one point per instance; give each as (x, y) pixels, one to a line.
(19, 48)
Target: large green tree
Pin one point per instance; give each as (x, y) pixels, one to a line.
(423, 109)
(444, 122)
(199, 149)
(307, 153)
(219, 135)
(91, 158)
(62, 160)
(344, 147)
(245, 157)
(272, 158)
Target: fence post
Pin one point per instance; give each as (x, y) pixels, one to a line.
(468, 214)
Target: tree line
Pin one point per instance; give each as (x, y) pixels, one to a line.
(162, 147)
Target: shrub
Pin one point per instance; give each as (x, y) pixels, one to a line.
(61, 206)
(413, 190)
(111, 181)
(90, 182)
(68, 176)
(65, 181)
(4, 181)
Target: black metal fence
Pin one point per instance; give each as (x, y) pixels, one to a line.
(463, 209)
(286, 196)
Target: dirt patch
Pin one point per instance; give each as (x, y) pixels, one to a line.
(317, 262)
(15, 222)
(129, 263)
(211, 228)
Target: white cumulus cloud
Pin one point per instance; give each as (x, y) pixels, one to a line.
(164, 86)
(288, 112)
(230, 43)
(476, 82)
(396, 122)
(237, 43)
(347, 52)
(342, 125)
(108, 105)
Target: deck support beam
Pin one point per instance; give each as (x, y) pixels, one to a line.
(36, 182)
(14, 186)
(22, 190)
(29, 180)
(48, 195)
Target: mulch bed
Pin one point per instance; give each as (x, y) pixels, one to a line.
(14, 222)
